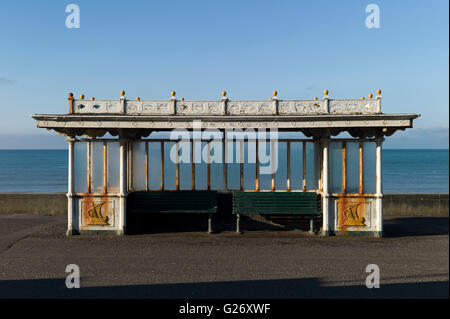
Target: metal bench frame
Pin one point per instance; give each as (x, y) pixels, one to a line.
(247, 203)
(199, 202)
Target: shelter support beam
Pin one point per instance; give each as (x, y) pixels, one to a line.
(71, 187)
(325, 192)
(379, 188)
(122, 185)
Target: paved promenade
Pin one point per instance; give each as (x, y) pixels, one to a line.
(413, 259)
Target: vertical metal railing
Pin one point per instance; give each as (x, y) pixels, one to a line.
(207, 146)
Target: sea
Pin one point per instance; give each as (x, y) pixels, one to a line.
(404, 171)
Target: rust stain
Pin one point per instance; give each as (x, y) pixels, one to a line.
(193, 165)
(344, 167)
(88, 178)
(241, 165)
(146, 166)
(288, 169)
(257, 167)
(162, 166)
(177, 169)
(351, 212)
(321, 166)
(361, 181)
(304, 165)
(105, 168)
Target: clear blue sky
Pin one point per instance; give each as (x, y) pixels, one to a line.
(199, 48)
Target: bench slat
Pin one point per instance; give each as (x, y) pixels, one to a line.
(173, 201)
(276, 203)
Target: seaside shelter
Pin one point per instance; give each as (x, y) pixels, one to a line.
(248, 149)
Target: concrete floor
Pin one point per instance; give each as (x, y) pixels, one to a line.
(261, 263)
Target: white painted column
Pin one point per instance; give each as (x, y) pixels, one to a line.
(325, 194)
(379, 188)
(70, 187)
(123, 186)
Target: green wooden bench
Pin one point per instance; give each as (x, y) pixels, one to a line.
(203, 202)
(276, 203)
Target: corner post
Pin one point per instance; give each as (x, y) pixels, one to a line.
(123, 102)
(123, 185)
(71, 99)
(173, 103)
(70, 187)
(326, 102)
(224, 110)
(325, 194)
(274, 103)
(379, 97)
(379, 188)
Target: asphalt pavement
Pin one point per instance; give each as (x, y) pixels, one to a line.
(413, 259)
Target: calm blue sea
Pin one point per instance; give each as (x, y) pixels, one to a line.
(404, 171)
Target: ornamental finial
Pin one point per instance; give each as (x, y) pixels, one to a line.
(138, 99)
(370, 95)
(122, 93)
(224, 93)
(173, 93)
(325, 92)
(274, 93)
(92, 98)
(378, 92)
(81, 96)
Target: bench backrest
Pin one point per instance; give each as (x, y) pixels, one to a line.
(173, 201)
(300, 203)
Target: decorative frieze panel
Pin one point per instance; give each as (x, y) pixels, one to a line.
(353, 107)
(199, 108)
(251, 108)
(147, 107)
(301, 107)
(269, 107)
(94, 106)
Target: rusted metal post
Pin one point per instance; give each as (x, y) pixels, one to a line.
(105, 168)
(344, 167)
(320, 184)
(89, 166)
(361, 175)
(177, 169)
(123, 185)
(288, 160)
(272, 154)
(70, 187)
(224, 164)
(325, 192)
(162, 166)
(304, 166)
(130, 146)
(257, 165)
(71, 99)
(146, 167)
(193, 164)
(379, 188)
(209, 165)
(241, 165)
